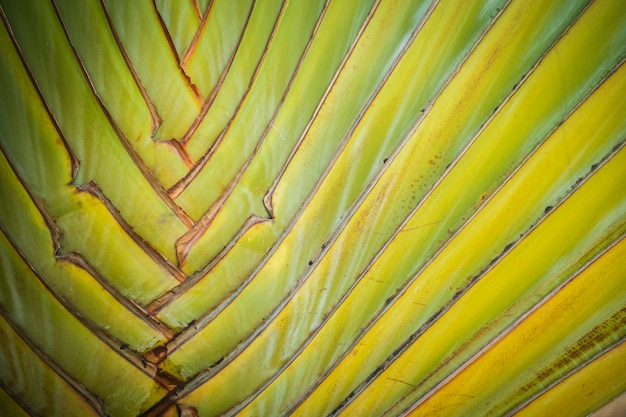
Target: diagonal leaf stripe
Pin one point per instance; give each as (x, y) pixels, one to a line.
(312, 208)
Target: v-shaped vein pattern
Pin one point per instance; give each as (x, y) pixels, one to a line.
(380, 207)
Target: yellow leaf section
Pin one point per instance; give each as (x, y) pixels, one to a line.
(584, 391)
(552, 247)
(34, 383)
(544, 345)
(125, 389)
(489, 158)
(155, 62)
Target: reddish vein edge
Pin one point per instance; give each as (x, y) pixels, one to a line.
(208, 317)
(399, 229)
(194, 42)
(172, 47)
(116, 345)
(196, 8)
(193, 383)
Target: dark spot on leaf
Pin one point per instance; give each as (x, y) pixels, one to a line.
(548, 209)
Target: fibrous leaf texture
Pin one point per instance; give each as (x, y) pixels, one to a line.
(312, 208)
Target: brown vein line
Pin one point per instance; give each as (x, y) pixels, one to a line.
(145, 171)
(194, 42)
(93, 189)
(183, 245)
(79, 261)
(156, 118)
(17, 401)
(207, 318)
(180, 186)
(489, 345)
(431, 320)
(575, 370)
(196, 8)
(171, 296)
(172, 47)
(90, 398)
(166, 32)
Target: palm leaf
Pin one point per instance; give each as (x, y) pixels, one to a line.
(381, 207)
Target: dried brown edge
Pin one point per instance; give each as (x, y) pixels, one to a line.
(145, 171)
(184, 244)
(170, 42)
(208, 317)
(489, 345)
(175, 190)
(471, 282)
(194, 42)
